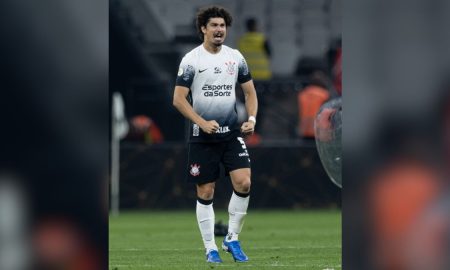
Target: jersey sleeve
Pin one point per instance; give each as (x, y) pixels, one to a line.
(243, 70)
(186, 73)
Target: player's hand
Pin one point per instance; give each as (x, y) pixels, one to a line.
(210, 127)
(248, 127)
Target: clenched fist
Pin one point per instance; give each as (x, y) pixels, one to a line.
(248, 127)
(210, 127)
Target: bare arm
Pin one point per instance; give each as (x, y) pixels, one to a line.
(180, 102)
(251, 104)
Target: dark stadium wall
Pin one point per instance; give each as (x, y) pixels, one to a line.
(153, 177)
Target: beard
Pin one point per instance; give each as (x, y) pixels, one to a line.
(217, 43)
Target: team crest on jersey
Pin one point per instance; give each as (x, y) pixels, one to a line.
(231, 67)
(195, 169)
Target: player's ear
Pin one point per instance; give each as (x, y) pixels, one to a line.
(203, 29)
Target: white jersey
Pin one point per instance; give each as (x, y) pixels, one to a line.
(211, 79)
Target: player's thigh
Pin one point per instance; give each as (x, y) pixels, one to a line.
(236, 156)
(203, 163)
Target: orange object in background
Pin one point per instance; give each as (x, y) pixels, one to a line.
(309, 101)
(145, 129)
(60, 243)
(398, 197)
(253, 139)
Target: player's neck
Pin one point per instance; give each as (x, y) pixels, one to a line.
(212, 48)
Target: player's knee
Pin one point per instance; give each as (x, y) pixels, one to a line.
(206, 191)
(246, 186)
(206, 194)
(243, 185)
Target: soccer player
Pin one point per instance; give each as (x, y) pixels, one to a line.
(208, 75)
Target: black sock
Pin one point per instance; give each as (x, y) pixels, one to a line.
(204, 202)
(242, 195)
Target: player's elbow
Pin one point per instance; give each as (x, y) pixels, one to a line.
(176, 101)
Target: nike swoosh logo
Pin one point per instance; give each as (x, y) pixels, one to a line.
(200, 71)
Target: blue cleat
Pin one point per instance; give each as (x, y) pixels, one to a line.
(213, 257)
(234, 247)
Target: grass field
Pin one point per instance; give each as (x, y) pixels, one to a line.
(307, 239)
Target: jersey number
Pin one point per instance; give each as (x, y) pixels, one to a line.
(242, 142)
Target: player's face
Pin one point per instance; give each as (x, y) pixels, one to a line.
(215, 31)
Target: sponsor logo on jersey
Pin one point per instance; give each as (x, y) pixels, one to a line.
(212, 90)
(217, 70)
(217, 87)
(217, 94)
(195, 169)
(244, 154)
(231, 67)
(223, 129)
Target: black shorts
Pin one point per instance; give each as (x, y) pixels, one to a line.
(205, 158)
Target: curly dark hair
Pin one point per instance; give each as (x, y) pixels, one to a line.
(207, 13)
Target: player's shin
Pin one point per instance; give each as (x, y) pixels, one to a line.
(237, 210)
(205, 219)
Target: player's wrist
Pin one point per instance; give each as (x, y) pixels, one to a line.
(201, 123)
(252, 119)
